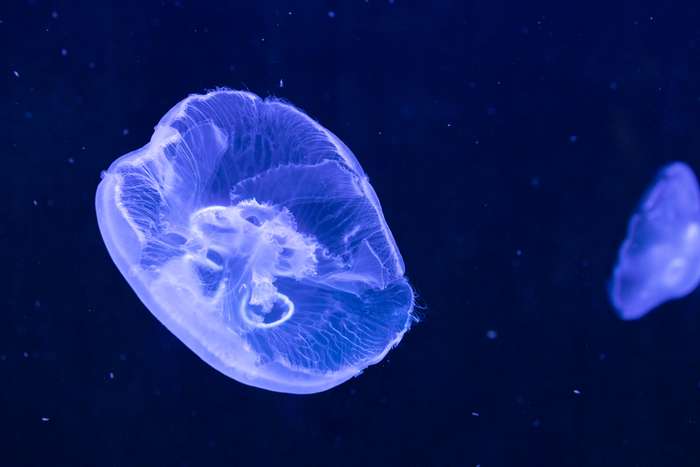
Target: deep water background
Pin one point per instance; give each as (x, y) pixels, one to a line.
(508, 142)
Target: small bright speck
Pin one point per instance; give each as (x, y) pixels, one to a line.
(518, 252)
(125, 131)
(281, 83)
(54, 14)
(16, 73)
(64, 52)
(35, 203)
(331, 14)
(111, 375)
(577, 392)
(475, 414)
(71, 161)
(491, 334)
(45, 419)
(573, 138)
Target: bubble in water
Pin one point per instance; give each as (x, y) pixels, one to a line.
(660, 258)
(252, 233)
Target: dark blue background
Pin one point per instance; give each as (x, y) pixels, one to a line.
(487, 128)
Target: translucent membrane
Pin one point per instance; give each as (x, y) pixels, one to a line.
(253, 234)
(660, 258)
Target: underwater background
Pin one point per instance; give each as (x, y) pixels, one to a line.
(508, 143)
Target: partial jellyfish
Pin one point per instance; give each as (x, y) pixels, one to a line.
(660, 258)
(252, 233)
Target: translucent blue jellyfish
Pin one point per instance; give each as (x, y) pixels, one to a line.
(252, 233)
(660, 258)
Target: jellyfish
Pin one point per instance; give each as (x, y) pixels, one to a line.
(660, 258)
(252, 233)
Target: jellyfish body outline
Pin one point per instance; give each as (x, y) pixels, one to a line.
(659, 259)
(184, 277)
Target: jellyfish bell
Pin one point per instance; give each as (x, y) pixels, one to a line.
(252, 233)
(659, 259)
